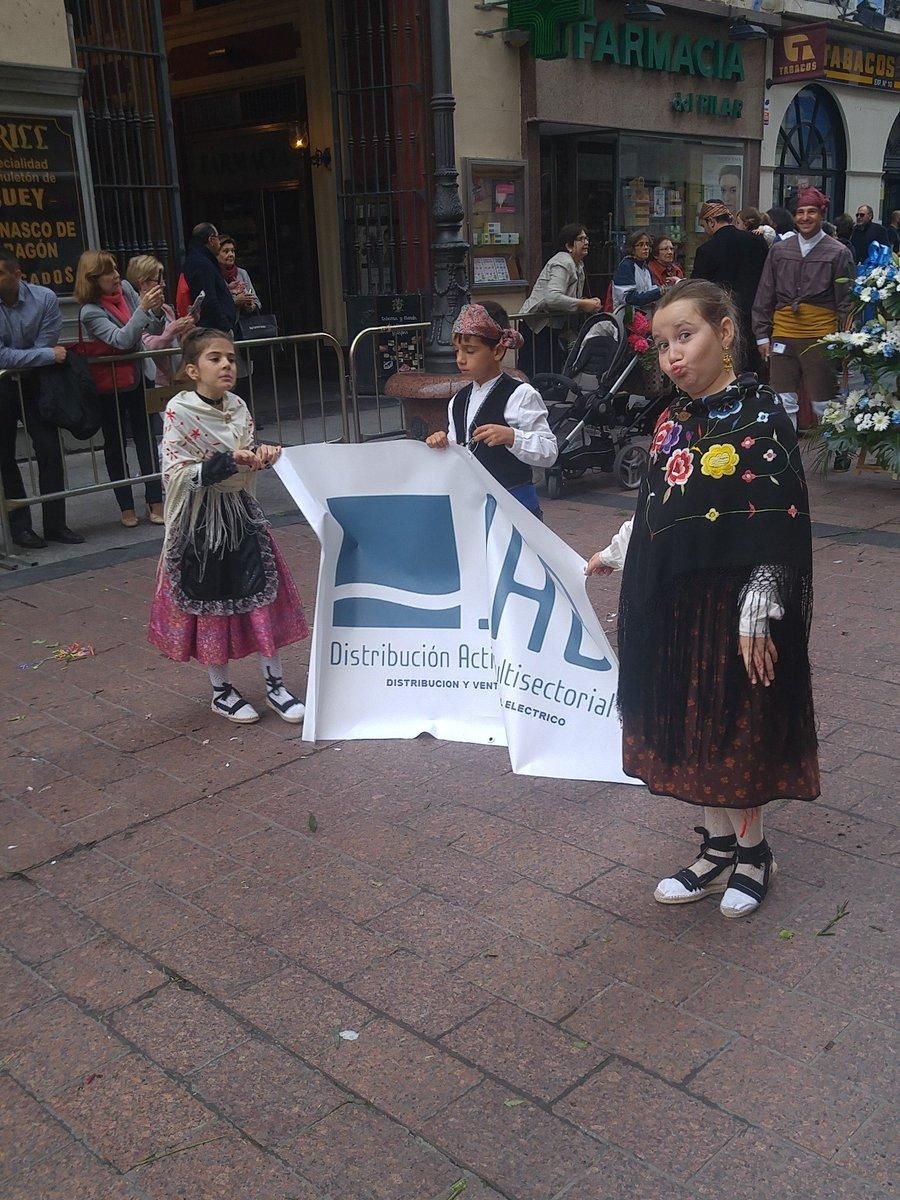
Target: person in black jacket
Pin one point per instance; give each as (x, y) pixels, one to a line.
(203, 274)
(734, 259)
(866, 232)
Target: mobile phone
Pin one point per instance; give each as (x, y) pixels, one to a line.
(194, 310)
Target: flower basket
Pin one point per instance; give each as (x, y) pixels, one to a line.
(867, 421)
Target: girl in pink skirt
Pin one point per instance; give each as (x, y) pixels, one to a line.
(223, 589)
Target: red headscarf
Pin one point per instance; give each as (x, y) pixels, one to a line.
(475, 321)
(812, 197)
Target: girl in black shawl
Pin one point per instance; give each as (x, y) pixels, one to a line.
(714, 687)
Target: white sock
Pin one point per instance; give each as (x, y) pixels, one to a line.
(218, 675)
(718, 824)
(748, 826)
(285, 702)
(271, 666)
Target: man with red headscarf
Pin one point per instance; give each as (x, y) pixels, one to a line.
(803, 295)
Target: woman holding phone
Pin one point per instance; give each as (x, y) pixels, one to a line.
(144, 273)
(113, 319)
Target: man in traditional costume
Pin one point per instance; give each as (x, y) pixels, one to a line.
(803, 295)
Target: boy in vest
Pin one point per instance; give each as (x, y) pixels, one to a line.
(502, 421)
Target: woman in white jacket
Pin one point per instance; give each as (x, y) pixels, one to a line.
(557, 297)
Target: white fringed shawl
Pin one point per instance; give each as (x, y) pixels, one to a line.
(193, 430)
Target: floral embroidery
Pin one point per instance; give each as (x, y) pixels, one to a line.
(727, 410)
(747, 443)
(762, 417)
(671, 439)
(769, 455)
(748, 477)
(720, 459)
(660, 436)
(793, 511)
(679, 468)
(712, 515)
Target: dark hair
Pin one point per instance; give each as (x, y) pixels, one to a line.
(7, 256)
(498, 315)
(225, 239)
(752, 218)
(844, 226)
(713, 304)
(658, 241)
(569, 234)
(195, 343)
(782, 219)
(633, 239)
(203, 232)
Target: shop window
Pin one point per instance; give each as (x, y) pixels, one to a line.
(811, 150)
(495, 216)
(663, 182)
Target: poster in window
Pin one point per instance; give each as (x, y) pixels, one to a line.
(504, 197)
(491, 269)
(723, 179)
(659, 202)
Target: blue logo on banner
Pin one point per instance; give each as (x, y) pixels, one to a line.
(406, 543)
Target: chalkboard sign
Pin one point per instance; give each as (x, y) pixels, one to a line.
(41, 215)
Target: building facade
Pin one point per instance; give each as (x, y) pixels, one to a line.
(833, 110)
(303, 128)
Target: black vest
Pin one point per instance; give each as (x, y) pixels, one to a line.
(497, 460)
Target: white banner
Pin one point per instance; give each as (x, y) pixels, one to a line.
(445, 607)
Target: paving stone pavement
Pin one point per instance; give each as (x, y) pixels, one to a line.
(180, 951)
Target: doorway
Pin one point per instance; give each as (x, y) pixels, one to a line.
(241, 171)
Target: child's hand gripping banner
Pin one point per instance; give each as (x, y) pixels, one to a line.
(445, 607)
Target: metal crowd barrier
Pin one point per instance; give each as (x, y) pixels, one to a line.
(370, 365)
(284, 380)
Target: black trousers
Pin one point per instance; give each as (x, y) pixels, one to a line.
(129, 416)
(47, 452)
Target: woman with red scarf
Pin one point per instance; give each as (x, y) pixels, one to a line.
(113, 320)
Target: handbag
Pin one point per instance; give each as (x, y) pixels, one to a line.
(258, 325)
(108, 377)
(67, 398)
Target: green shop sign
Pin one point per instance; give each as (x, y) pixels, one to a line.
(649, 49)
(547, 21)
(628, 44)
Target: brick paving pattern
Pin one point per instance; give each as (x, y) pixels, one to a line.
(180, 953)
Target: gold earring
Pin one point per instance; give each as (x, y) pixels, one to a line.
(727, 360)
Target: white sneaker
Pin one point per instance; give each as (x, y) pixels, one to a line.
(228, 702)
(288, 706)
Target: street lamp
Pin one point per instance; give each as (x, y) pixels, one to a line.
(450, 279)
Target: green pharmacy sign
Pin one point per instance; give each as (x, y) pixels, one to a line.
(649, 49)
(547, 21)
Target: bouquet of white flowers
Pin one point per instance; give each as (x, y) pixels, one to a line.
(869, 419)
(866, 420)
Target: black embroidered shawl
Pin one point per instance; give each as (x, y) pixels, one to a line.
(723, 508)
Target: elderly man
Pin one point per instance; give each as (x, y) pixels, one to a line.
(865, 232)
(804, 294)
(30, 326)
(203, 274)
(734, 259)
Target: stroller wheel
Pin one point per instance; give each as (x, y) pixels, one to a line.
(554, 485)
(630, 465)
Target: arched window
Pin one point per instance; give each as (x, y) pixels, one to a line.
(811, 149)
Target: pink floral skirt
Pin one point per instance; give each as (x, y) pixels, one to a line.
(216, 640)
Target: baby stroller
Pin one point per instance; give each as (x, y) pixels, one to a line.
(596, 419)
